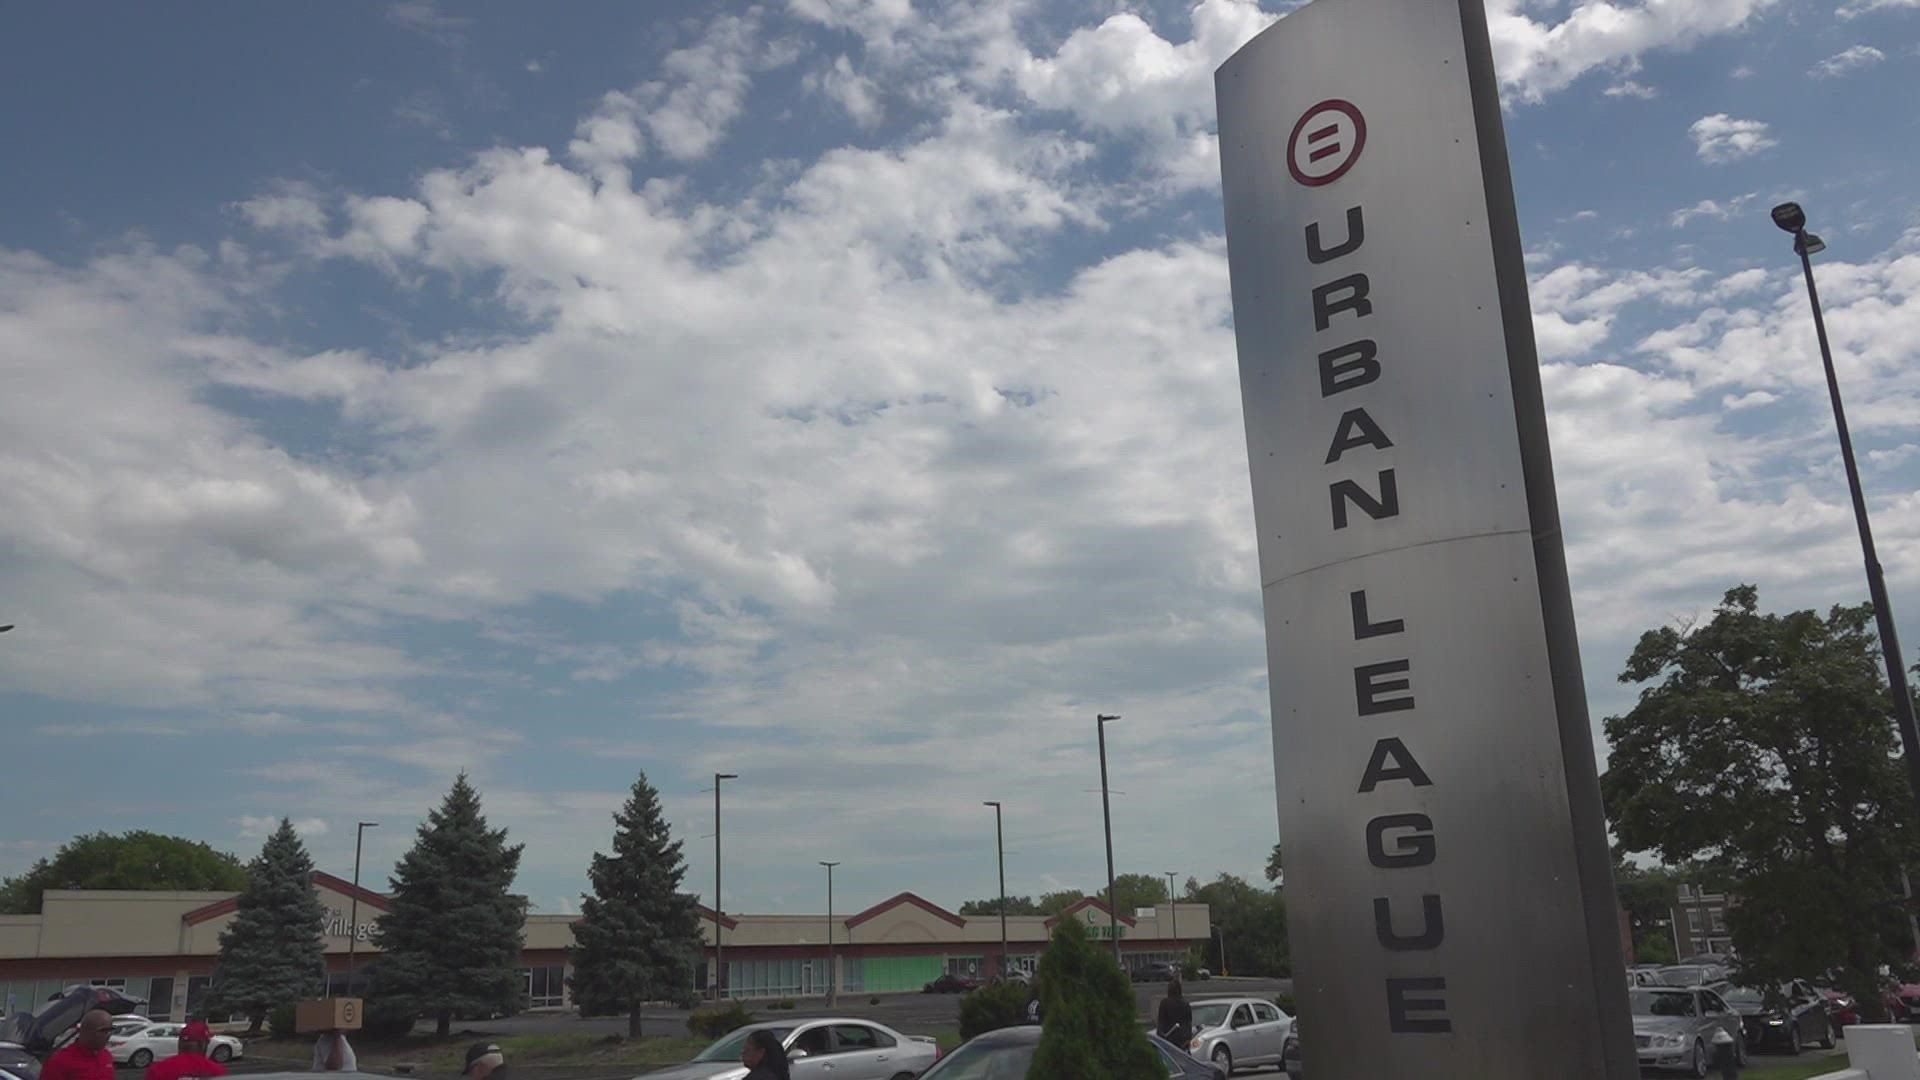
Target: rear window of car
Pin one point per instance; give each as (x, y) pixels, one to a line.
(977, 1062)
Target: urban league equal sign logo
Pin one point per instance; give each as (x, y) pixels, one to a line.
(1326, 142)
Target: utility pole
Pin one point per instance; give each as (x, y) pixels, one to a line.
(1000, 847)
(353, 905)
(719, 965)
(1106, 814)
(832, 973)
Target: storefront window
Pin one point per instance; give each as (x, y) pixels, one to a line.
(546, 987)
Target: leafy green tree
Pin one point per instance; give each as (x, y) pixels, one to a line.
(274, 951)
(1764, 748)
(134, 860)
(1253, 922)
(1016, 905)
(451, 938)
(1133, 891)
(1648, 896)
(1054, 903)
(638, 936)
(1088, 1028)
(1276, 870)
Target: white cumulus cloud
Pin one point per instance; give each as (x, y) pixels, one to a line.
(1720, 138)
(1847, 60)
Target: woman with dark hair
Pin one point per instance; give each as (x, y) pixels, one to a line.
(764, 1057)
(1176, 1016)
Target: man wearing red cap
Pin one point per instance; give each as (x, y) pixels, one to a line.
(192, 1060)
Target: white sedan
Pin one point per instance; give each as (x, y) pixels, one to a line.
(140, 1045)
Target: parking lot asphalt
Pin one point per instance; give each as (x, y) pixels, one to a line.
(913, 1014)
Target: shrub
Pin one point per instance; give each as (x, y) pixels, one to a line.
(994, 1006)
(783, 1003)
(874, 1000)
(1285, 1001)
(1088, 1028)
(385, 1021)
(280, 1021)
(715, 1022)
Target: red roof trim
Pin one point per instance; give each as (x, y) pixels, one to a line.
(887, 905)
(706, 916)
(320, 878)
(1082, 905)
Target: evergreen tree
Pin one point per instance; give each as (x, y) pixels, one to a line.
(274, 951)
(1088, 1028)
(638, 937)
(451, 939)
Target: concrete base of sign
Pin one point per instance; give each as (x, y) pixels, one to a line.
(1879, 1052)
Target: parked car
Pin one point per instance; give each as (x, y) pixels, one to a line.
(14, 1059)
(1161, 971)
(1644, 975)
(1290, 1056)
(1783, 1017)
(831, 1048)
(1673, 1027)
(140, 1045)
(1007, 1053)
(1236, 1033)
(949, 983)
(43, 1029)
(1691, 974)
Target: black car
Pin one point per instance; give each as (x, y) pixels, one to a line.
(15, 1059)
(950, 983)
(1006, 1054)
(1785, 1017)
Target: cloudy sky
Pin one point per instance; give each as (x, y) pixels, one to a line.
(841, 393)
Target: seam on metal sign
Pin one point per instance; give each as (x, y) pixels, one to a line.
(1388, 551)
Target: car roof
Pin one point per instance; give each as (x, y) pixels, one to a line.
(1226, 1000)
(1009, 1036)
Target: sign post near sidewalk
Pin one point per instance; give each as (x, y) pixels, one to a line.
(1449, 888)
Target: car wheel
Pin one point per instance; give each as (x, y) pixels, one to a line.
(141, 1059)
(1699, 1060)
(1826, 1035)
(1793, 1039)
(223, 1054)
(1740, 1050)
(1223, 1059)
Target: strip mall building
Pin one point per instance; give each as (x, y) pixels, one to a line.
(162, 945)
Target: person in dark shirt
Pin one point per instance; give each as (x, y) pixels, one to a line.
(1176, 1016)
(192, 1060)
(86, 1057)
(765, 1058)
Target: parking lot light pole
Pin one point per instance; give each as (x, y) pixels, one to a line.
(1173, 907)
(353, 905)
(1000, 849)
(1791, 218)
(1106, 814)
(832, 980)
(719, 967)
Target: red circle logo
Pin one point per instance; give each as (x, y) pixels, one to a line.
(1326, 142)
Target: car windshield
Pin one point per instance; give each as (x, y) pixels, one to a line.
(1751, 995)
(728, 1049)
(1661, 1003)
(977, 1062)
(1210, 1015)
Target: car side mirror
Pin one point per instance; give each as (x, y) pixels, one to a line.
(796, 1052)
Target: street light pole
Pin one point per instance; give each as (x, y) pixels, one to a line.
(719, 966)
(1106, 814)
(1791, 218)
(1173, 907)
(1000, 848)
(832, 980)
(353, 906)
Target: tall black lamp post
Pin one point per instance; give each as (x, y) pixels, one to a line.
(1106, 814)
(719, 964)
(1791, 218)
(1000, 848)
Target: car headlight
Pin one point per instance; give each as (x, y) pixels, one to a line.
(1776, 1022)
(1669, 1040)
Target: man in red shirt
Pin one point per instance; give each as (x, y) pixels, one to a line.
(86, 1057)
(192, 1060)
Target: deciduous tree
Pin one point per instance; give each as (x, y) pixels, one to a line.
(638, 937)
(134, 860)
(1763, 747)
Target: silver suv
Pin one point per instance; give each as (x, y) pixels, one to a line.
(1237, 1033)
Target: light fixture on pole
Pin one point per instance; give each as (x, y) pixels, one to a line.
(1792, 219)
(1000, 848)
(719, 967)
(1173, 907)
(4, 629)
(353, 906)
(833, 980)
(1106, 814)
